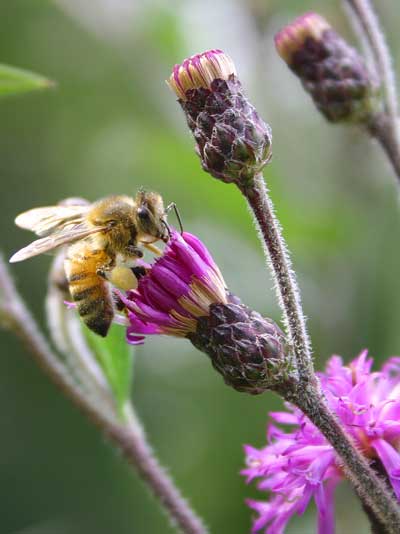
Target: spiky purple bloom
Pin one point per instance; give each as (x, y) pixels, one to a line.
(233, 142)
(300, 465)
(184, 294)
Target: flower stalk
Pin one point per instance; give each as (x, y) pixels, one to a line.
(383, 125)
(287, 289)
(208, 104)
(127, 436)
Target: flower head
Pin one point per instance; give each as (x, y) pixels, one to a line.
(178, 289)
(330, 70)
(299, 465)
(199, 71)
(233, 142)
(184, 294)
(293, 37)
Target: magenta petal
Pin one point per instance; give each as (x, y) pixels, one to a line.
(152, 315)
(324, 499)
(140, 327)
(157, 296)
(264, 510)
(178, 269)
(201, 250)
(191, 259)
(361, 365)
(391, 430)
(132, 338)
(169, 280)
(284, 418)
(391, 461)
(303, 501)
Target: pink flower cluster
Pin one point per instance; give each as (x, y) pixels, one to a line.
(299, 465)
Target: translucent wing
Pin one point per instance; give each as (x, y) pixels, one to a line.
(44, 221)
(68, 234)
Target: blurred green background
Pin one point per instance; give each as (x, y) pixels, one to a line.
(112, 125)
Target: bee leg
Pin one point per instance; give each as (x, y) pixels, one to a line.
(132, 250)
(139, 272)
(102, 273)
(104, 270)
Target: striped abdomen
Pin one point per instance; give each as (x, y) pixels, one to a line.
(90, 291)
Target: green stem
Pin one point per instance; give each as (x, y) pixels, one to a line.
(384, 125)
(285, 279)
(129, 436)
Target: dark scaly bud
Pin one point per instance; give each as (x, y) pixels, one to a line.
(233, 142)
(246, 348)
(184, 295)
(331, 71)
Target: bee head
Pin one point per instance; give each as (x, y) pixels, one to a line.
(151, 220)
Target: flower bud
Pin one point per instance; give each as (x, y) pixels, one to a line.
(184, 295)
(246, 348)
(331, 71)
(233, 142)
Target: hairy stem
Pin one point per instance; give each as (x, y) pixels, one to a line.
(384, 126)
(305, 392)
(376, 525)
(371, 489)
(129, 436)
(380, 129)
(285, 280)
(370, 25)
(131, 439)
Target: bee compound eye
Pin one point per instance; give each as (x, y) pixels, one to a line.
(143, 214)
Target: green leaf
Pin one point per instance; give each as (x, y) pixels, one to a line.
(116, 359)
(14, 80)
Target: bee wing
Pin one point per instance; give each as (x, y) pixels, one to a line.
(64, 236)
(44, 221)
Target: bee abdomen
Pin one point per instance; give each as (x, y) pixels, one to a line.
(92, 297)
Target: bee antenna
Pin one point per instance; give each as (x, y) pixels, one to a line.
(164, 223)
(174, 207)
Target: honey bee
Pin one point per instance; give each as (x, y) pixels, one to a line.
(103, 241)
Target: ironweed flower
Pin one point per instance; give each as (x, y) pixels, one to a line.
(184, 294)
(330, 70)
(233, 142)
(300, 464)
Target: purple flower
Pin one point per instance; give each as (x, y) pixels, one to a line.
(299, 465)
(184, 294)
(178, 289)
(199, 71)
(332, 71)
(233, 142)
